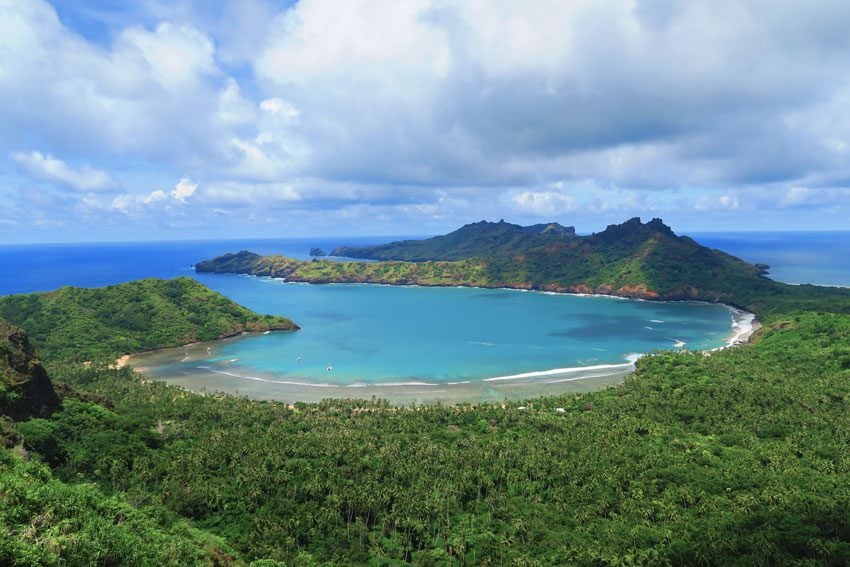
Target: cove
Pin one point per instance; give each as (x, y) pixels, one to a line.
(424, 345)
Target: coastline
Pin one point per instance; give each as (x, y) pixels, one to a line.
(744, 326)
(525, 385)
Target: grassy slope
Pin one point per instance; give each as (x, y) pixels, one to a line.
(663, 269)
(88, 324)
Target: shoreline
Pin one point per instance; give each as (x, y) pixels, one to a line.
(523, 385)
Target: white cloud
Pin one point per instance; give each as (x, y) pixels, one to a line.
(727, 201)
(545, 203)
(177, 56)
(681, 93)
(184, 189)
(155, 197)
(138, 204)
(153, 94)
(237, 194)
(233, 107)
(54, 170)
(725, 108)
(279, 106)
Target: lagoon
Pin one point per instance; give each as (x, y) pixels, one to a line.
(417, 344)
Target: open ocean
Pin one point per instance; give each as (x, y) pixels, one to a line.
(820, 258)
(409, 343)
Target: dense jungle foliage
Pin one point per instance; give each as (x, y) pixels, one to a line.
(92, 324)
(735, 457)
(740, 456)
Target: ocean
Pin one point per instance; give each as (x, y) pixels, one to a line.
(411, 344)
(820, 258)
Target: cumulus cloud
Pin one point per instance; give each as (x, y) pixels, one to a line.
(175, 55)
(150, 93)
(545, 203)
(727, 201)
(236, 194)
(184, 189)
(54, 170)
(156, 201)
(436, 109)
(476, 92)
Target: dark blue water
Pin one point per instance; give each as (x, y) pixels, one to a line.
(795, 257)
(45, 267)
(821, 258)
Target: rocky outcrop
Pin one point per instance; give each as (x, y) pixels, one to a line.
(25, 389)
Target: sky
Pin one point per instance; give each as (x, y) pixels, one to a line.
(248, 118)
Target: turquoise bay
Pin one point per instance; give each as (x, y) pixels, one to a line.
(433, 344)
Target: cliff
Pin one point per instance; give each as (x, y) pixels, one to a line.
(25, 389)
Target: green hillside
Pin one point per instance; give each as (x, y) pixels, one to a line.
(89, 324)
(47, 521)
(633, 259)
(471, 241)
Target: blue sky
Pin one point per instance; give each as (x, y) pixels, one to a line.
(159, 120)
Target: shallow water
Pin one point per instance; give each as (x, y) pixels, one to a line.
(363, 340)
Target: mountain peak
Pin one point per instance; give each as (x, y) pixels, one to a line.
(635, 227)
(549, 228)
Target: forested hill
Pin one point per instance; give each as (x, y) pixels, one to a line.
(632, 259)
(104, 323)
(480, 239)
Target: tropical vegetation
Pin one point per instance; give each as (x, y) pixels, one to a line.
(82, 324)
(737, 456)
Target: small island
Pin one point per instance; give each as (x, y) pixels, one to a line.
(315, 251)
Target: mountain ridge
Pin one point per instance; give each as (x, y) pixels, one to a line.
(631, 259)
(473, 240)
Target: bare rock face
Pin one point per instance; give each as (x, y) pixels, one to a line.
(25, 389)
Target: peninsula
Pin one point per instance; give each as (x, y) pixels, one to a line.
(632, 259)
